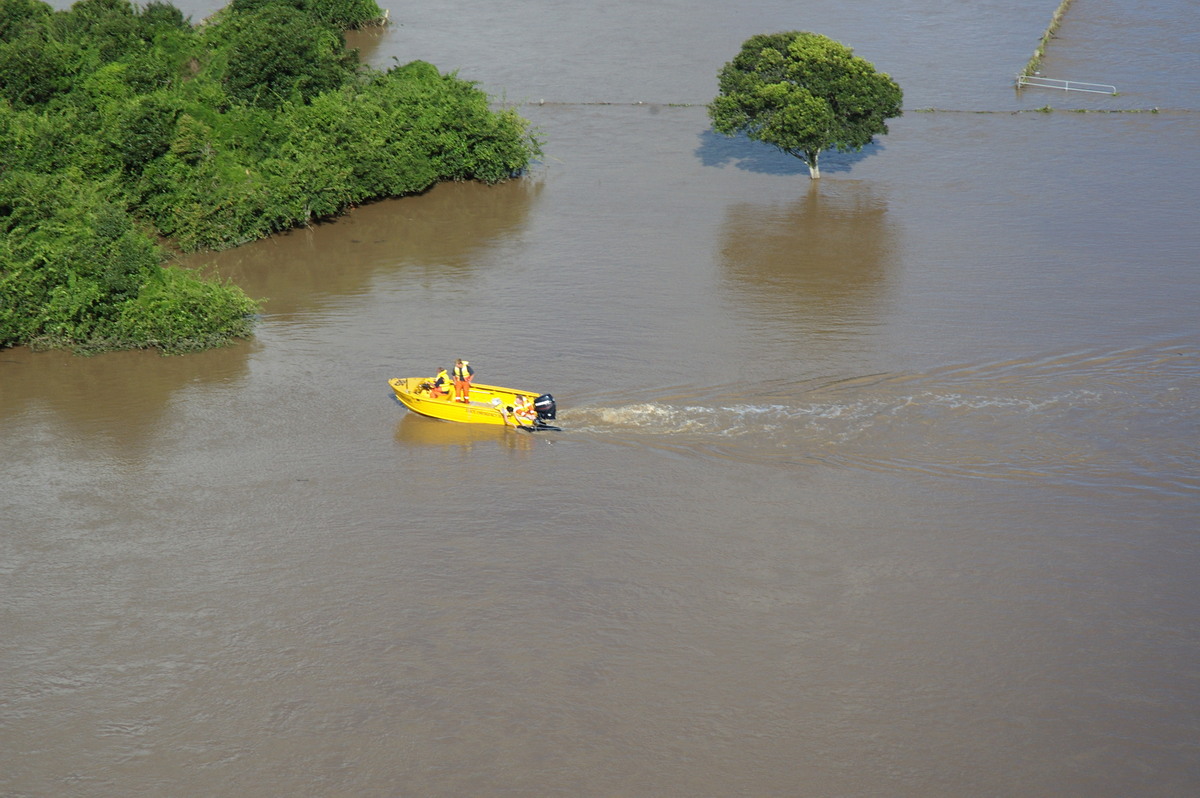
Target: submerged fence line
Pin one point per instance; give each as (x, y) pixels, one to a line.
(1046, 109)
(1036, 61)
(927, 110)
(1031, 76)
(634, 103)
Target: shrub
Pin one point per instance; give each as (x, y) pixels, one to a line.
(76, 272)
(279, 55)
(114, 119)
(176, 311)
(337, 14)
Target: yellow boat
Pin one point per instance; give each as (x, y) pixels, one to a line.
(489, 404)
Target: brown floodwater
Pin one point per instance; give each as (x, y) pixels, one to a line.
(886, 485)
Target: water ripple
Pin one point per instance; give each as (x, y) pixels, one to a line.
(1115, 420)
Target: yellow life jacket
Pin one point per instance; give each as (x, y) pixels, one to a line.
(464, 371)
(442, 380)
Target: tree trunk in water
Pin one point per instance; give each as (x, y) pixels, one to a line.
(814, 171)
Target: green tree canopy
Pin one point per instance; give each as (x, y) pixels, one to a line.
(803, 93)
(119, 124)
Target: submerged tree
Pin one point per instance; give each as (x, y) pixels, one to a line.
(803, 93)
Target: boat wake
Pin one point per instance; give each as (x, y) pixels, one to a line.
(1122, 420)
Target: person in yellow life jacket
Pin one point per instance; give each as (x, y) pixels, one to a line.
(462, 380)
(506, 411)
(441, 384)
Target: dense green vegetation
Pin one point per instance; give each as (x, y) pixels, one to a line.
(803, 93)
(120, 123)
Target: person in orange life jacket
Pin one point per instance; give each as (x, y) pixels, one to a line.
(441, 384)
(462, 380)
(523, 410)
(519, 414)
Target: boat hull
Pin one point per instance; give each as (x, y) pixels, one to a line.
(480, 410)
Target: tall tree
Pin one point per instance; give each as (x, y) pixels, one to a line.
(803, 93)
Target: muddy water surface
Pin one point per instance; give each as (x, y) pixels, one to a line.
(886, 486)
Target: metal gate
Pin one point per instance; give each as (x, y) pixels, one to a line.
(1065, 85)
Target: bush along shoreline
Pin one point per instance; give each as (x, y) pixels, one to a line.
(119, 124)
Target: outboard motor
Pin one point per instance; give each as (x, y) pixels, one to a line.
(545, 407)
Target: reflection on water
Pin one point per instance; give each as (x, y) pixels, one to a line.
(820, 260)
(116, 397)
(366, 41)
(442, 231)
(755, 156)
(421, 433)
